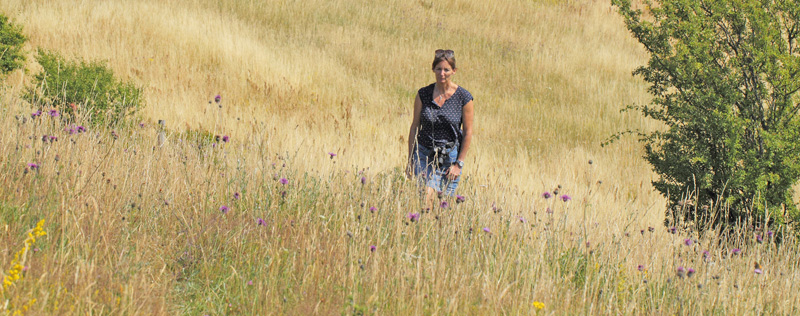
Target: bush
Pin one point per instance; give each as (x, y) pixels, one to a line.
(725, 77)
(11, 40)
(88, 90)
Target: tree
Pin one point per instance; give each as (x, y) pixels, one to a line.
(11, 40)
(724, 76)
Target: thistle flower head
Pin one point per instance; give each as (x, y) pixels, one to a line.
(547, 195)
(681, 272)
(224, 209)
(565, 198)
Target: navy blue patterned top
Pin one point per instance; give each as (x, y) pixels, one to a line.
(441, 125)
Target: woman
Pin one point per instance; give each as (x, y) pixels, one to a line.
(441, 131)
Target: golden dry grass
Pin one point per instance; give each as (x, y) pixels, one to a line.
(134, 228)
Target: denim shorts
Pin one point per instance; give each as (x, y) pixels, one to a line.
(433, 176)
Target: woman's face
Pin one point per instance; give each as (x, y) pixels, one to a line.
(443, 71)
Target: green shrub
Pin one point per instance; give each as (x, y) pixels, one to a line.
(11, 40)
(81, 89)
(725, 81)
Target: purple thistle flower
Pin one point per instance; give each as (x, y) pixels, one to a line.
(521, 219)
(332, 155)
(687, 242)
(35, 114)
(673, 230)
(81, 129)
(225, 138)
(706, 254)
(640, 267)
(547, 195)
(33, 166)
(736, 251)
(565, 198)
(224, 209)
(372, 209)
(53, 113)
(460, 199)
(690, 272)
(444, 204)
(250, 282)
(486, 229)
(217, 98)
(261, 222)
(236, 195)
(284, 181)
(413, 216)
(373, 248)
(758, 271)
(769, 234)
(141, 125)
(759, 239)
(363, 180)
(681, 272)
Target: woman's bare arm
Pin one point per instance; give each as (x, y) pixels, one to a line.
(467, 115)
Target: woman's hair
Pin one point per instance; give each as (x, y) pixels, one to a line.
(444, 55)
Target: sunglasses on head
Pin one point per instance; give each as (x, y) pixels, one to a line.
(446, 53)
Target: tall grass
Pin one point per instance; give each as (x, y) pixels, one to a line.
(137, 227)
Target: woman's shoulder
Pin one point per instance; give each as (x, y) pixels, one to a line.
(426, 89)
(464, 94)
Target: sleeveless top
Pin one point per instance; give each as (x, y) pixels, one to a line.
(441, 125)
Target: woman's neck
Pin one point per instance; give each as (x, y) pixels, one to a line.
(443, 87)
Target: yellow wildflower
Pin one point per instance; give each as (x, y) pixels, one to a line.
(15, 272)
(538, 305)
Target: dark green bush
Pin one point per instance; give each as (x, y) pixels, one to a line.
(85, 90)
(11, 40)
(725, 81)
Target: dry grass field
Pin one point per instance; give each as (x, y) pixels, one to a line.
(269, 222)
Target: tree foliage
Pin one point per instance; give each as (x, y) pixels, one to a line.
(724, 76)
(11, 40)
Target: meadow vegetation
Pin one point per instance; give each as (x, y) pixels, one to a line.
(285, 195)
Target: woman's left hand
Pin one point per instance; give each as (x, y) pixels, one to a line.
(453, 172)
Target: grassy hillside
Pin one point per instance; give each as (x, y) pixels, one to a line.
(197, 226)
